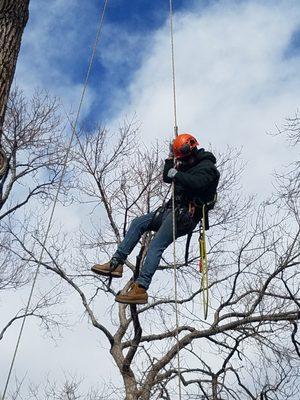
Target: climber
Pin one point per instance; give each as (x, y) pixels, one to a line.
(196, 178)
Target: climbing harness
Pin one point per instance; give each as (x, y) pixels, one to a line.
(74, 133)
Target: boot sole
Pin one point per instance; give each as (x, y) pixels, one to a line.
(131, 301)
(107, 274)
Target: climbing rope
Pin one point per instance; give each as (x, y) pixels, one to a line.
(100, 25)
(173, 69)
(173, 198)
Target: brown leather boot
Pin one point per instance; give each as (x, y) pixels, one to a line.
(113, 268)
(134, 295)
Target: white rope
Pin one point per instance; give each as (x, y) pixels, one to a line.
(100, 25)
(173, 198)
(173, 69)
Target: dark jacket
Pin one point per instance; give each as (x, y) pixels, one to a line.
(197, 183)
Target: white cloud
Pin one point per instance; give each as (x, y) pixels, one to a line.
(233, 81)
(82, 351)
(55, 46)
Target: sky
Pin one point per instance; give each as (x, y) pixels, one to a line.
(237, 76)
(236, 63)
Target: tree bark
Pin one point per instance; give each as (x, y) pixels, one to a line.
(215, 388)
(13, 18)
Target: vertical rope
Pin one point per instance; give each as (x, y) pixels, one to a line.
(176, 288)
(173, 69)
(100, 24)
(173, 197)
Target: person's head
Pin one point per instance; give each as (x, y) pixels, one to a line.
(185, 149)
(184, 145)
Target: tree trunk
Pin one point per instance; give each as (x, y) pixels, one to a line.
(145, 395)
(13, 18)
(214, 388)
(130, 388)
(130, 384)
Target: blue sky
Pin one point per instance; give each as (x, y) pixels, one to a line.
(68, 32)
(293, 50)
(58, 39)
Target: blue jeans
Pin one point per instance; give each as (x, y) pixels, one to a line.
(163, 225)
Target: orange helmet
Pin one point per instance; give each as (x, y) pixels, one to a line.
(184, 144)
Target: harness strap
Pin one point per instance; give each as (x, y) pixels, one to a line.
(187, 248)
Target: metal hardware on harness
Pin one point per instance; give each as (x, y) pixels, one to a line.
(192, 209)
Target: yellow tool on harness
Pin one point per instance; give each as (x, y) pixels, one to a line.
(203, 266)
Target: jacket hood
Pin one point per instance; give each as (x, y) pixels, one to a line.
(194, 159)
(205, 155)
